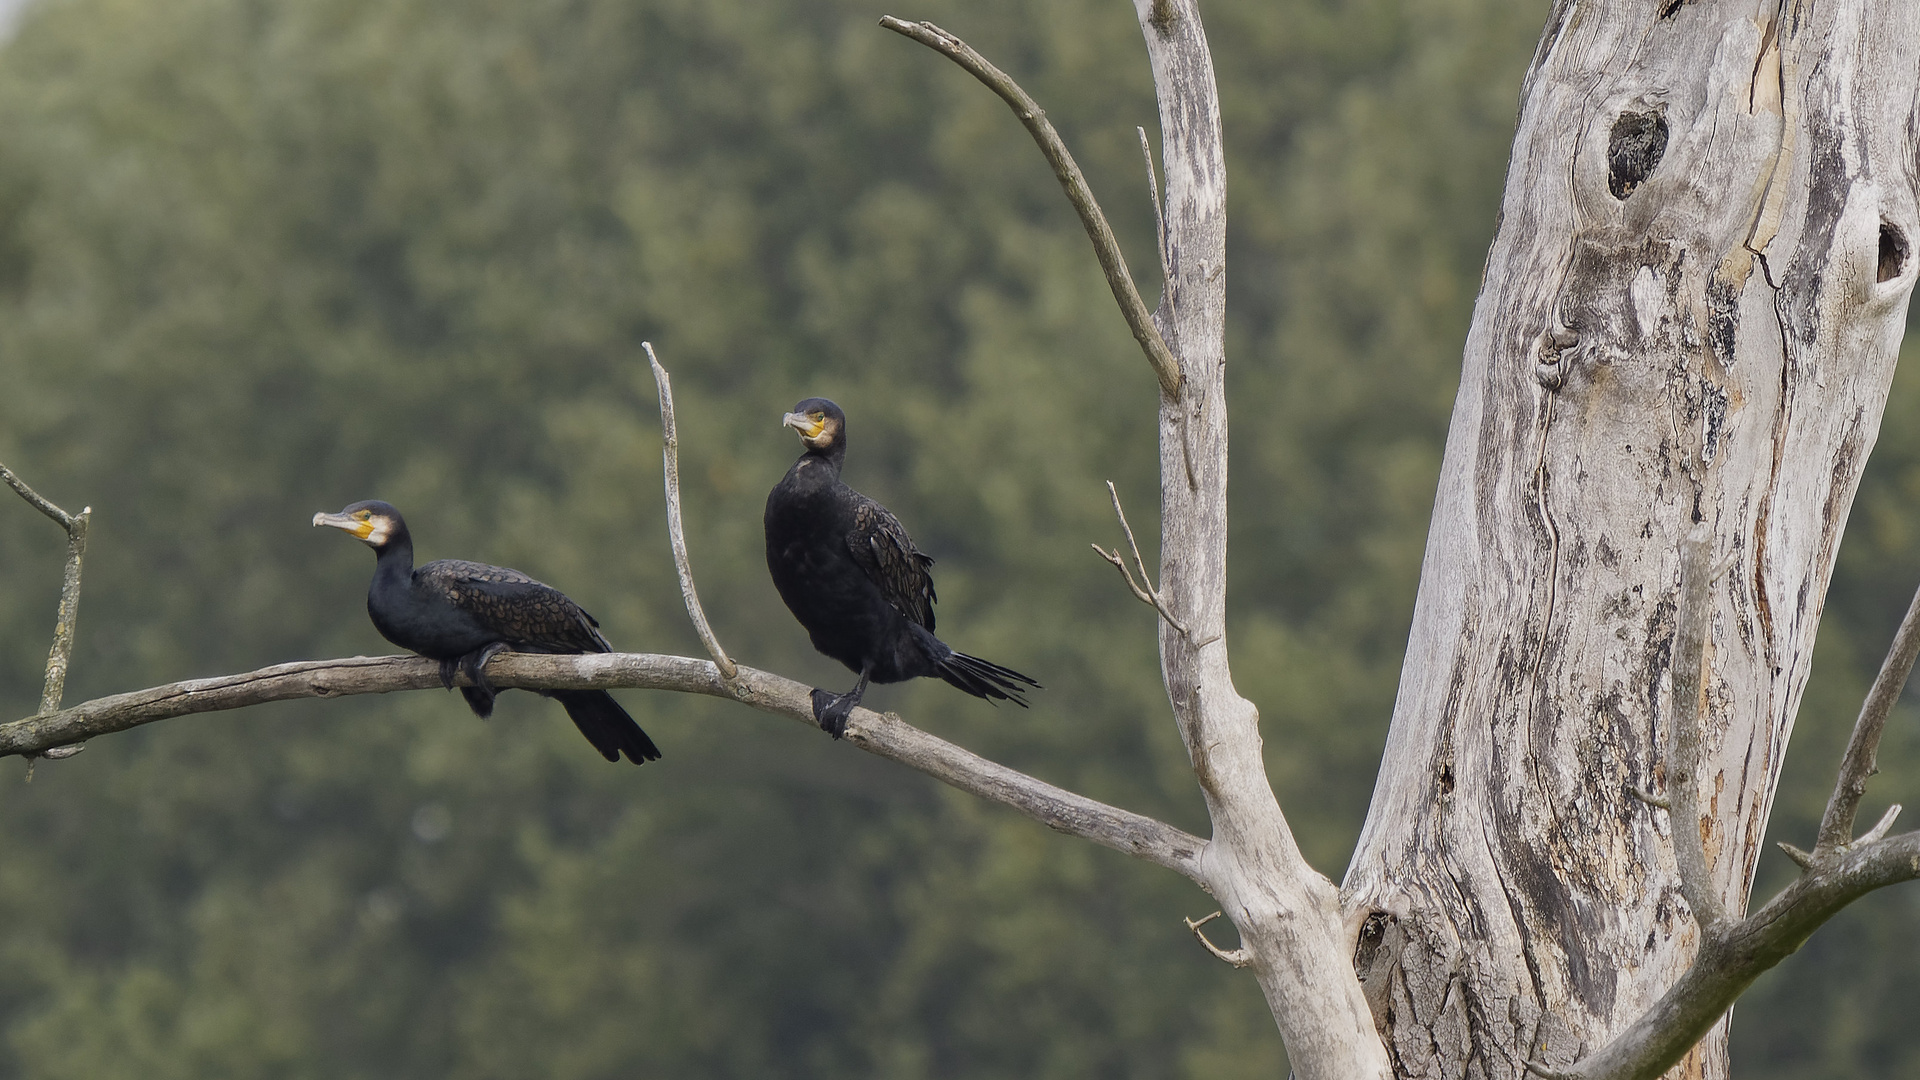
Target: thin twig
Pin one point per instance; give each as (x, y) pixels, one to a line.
(1159, 222)
(34, 498)
(1239, 958)
(1165, 366)
(1803, 858)
(60, 655)
(1692, 618)
(1144, 589)
(885, 735)
(1836, 825)
(676, 534)
(1881, 828)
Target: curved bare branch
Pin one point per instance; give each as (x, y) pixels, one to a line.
(882, 734)
(1165, 367)
(676, 531)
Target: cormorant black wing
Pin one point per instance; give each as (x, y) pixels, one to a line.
(883, 549)
(531, 616)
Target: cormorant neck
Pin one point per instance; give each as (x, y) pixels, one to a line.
(828, 458)
(832, 457)
(395, 557)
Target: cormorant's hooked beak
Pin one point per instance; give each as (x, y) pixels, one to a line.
(362, 528)
(808, 428)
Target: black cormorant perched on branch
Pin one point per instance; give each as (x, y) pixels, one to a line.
(466, 613)
(851, 575)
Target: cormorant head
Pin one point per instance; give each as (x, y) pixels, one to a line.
(820, 423)
(372, 522)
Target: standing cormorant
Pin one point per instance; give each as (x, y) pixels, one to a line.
(851, 575)
(465, 613)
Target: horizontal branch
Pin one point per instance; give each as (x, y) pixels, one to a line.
(1105, 247)
(883, 734)
(1734, 954)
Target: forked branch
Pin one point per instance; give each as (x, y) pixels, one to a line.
(1165, 367)
(1839, 870)
(60, 656)
(676, 532)
(1143, 590)
(1734, 954)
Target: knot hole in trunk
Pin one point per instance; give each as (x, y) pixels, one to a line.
(1893, 252)
(1634, 150)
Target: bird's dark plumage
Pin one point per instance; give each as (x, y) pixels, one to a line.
(466, 613)
(850, 573)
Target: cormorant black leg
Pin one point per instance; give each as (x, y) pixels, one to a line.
(473, 662)
(831, 710)
(481, 694)
(447, 670)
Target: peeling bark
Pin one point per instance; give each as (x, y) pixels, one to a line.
(1690, 315)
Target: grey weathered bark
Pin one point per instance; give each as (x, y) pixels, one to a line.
(1287, 914)
(1690, 315)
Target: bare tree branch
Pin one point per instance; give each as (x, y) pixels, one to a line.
(60, 656)
(1692, 617)
(1836, 825)
(676, 532)
(1165, 366)
(885, 735)
(1143, 590)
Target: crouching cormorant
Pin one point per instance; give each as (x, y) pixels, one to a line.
(851, 575)
(463, 614)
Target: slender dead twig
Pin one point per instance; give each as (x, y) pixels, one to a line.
(1836, 825)
(676, 533)
(1239, 958)
(1159, 223)
(60, 656)
(1692, 618)
(1143, 590)
(885, 735)
(1107, 249)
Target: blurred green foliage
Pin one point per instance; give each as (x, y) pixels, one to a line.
(264, 257)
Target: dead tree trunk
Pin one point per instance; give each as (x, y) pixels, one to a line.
(1690, 317)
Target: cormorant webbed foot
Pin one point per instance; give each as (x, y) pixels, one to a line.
(481, 694)
(830, 711)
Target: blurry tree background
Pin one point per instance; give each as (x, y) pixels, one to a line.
(265, 257)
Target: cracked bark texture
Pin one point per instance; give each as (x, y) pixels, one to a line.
(1690, 314)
